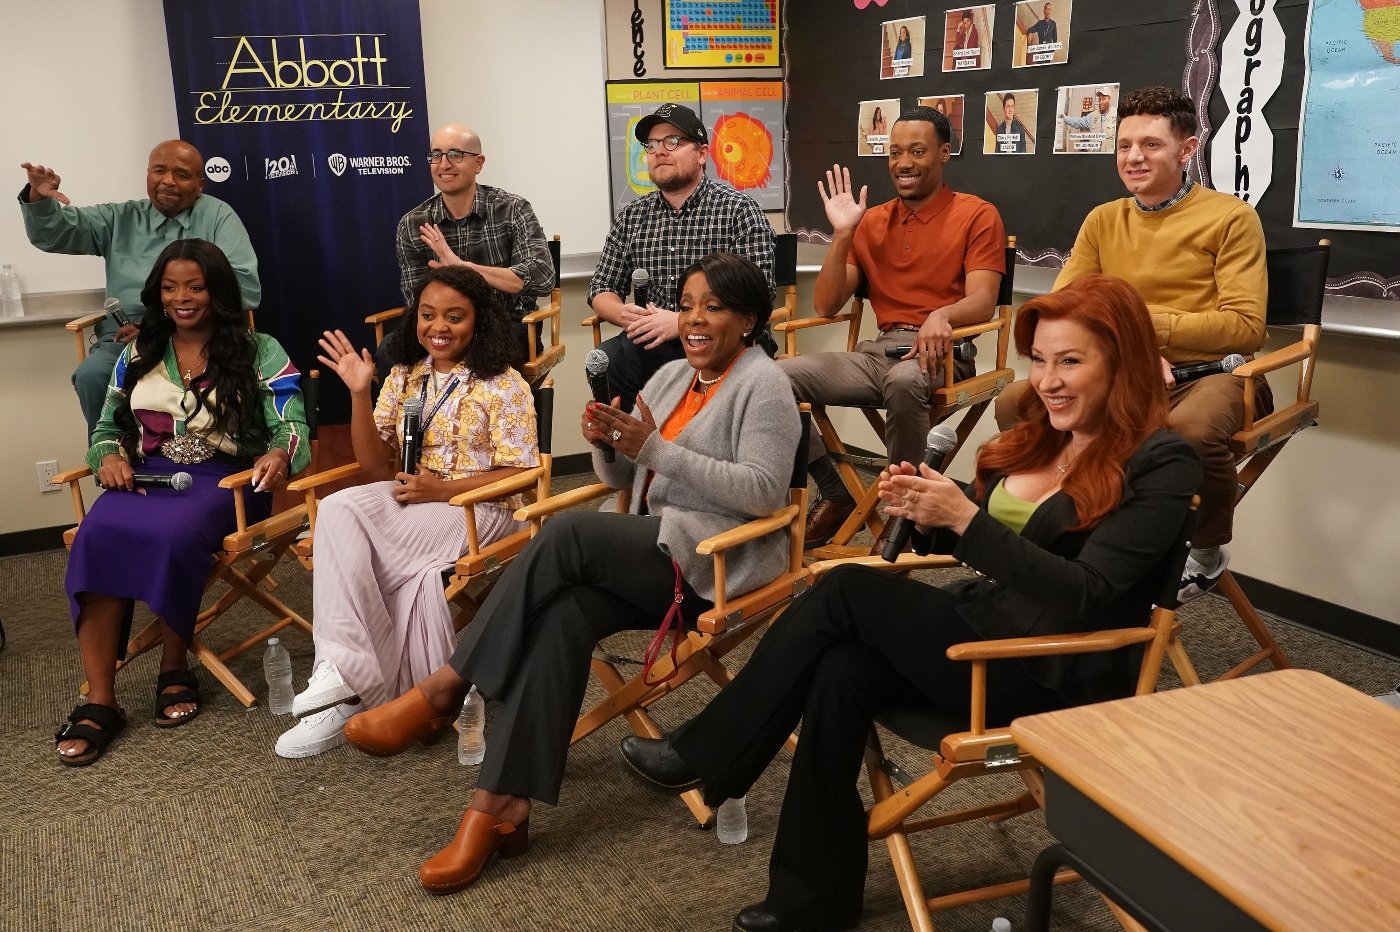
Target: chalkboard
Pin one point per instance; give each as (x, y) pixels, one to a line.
(833, 51)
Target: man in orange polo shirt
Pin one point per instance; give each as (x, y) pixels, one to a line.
(931, 260)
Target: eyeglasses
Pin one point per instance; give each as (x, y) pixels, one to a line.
(456, 156)
(672, 143)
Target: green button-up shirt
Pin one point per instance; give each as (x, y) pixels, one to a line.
(130, 236)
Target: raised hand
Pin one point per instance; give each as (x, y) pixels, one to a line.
(843, 210)
(43, 182)
(355, 368)
(432, 238)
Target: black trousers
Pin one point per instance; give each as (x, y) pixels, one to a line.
(585, 576)
(857, 643)
(630, 365)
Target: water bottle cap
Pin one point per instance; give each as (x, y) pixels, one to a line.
(271, 641)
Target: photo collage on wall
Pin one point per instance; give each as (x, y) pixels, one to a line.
(1085, 116)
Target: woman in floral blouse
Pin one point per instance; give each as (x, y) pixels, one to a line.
(381, 620)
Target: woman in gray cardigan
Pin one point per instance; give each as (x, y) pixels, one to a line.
(711, 447)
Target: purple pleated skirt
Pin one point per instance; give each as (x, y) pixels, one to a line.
(158, 548)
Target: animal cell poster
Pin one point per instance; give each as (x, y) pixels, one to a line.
(722, 33)
(744, 120)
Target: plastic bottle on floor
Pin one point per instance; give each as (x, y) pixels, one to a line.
(1001, 925)
(732, 821)
(11, 295)
(471, 730)
(277, 668)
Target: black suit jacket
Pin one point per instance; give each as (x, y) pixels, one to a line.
(1051, 580)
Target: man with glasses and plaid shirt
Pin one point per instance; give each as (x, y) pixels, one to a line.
(491, 231)
(687, 218)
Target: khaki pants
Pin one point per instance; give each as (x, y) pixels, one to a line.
(866, 378)
(1206, 413)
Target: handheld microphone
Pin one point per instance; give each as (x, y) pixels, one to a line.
(941, 440)
(113, 309)
(179, 481)
(1199, 370)
(412, 434)
(595, 365)
(963, 351)
(641, 287)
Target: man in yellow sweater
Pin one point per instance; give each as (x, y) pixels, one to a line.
(1197, 257)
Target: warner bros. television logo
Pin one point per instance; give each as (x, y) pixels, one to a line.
(338, 163)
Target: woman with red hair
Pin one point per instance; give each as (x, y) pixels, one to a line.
(1069, 524)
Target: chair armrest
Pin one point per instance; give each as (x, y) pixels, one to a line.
(237, 481)
(905, 563)
(1269, 362)
(324, 477)
(806, 323)
(382, 316)
(557, 503)
(972, 330)
(78, 324)
(71, 475)
(544, 313)
(1089, 642)
(749, 530)
(593, 320)
(520, 482)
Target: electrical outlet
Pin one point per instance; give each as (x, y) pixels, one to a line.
(46, 470)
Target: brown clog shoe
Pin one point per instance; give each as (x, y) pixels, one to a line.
(477, 838)
(393, 726)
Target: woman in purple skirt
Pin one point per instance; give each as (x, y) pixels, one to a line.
(196, 392)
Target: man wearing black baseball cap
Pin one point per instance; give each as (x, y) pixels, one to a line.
(686, 218)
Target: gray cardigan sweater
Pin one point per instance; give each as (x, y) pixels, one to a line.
(731, 464)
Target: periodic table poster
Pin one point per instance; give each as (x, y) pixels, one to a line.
(722, 34)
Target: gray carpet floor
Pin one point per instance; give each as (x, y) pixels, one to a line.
(203, 827)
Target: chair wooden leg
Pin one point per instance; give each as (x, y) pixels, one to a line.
(1184, 668)
(907, 875)
(1269, 649)
(222, 673)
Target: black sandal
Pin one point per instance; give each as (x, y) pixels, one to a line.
(110, 722)
(165, 700)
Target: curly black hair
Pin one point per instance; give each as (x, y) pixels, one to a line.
(493, 345)
(738, 284)
(1158, 100)
(230, 378)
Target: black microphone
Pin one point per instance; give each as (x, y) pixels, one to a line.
(641, 287)
(963, 351)
(941, 440)
(412, 434)
(595, 365)
(179, 481)
(1199, 370)
(113, 308)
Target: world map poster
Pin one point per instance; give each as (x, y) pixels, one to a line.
(1349, 138)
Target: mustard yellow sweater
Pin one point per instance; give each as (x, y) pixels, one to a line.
(1199, 265)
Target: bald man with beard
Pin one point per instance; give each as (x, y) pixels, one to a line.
(129, 236)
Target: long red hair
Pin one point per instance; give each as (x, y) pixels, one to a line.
(1115, 314)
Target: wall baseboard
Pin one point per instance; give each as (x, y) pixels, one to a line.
(1334, 621)
(16, 543)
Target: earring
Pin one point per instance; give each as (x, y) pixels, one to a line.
(746, 334)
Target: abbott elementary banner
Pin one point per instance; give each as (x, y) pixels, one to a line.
(312, 122)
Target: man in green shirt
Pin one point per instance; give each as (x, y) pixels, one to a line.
(129, 236)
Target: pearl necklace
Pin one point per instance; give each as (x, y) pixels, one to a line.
(708, 382)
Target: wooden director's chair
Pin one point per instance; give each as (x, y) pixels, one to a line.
(972, 395)
(1297, 283)
(243, 563)
(724, 627)
(968, 749)
(475, 572)
(537, 362)
(784, 276)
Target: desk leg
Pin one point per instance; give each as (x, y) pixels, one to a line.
(1043, 885)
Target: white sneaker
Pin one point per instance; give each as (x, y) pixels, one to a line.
(317, 733)
(326, 688)
(1196, 582)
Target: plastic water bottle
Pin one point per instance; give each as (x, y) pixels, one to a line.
(732, 821)
(277, 668)
(471, 730)
(11, 296)
(1001, 925)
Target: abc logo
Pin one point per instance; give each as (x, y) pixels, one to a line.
(218, 169)
(337, 163)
